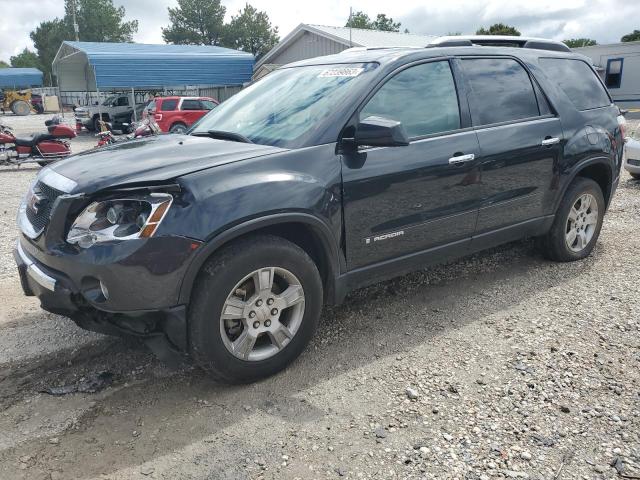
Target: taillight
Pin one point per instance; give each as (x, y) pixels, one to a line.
(622, 124)
(157, 117)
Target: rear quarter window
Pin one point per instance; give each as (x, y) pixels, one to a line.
(578, 81)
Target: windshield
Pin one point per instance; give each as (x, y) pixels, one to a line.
(108, 101)
(287, 105)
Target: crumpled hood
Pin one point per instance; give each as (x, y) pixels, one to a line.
(153, 159)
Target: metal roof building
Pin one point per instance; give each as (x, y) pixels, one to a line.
(308, 41)
(91, 66)
(20, 77)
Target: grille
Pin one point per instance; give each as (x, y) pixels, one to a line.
(48, 195)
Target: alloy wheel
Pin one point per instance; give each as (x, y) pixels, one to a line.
(582, 222)
(262, 314)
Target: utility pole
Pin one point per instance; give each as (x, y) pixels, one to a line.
(75, 24)
(350, 25)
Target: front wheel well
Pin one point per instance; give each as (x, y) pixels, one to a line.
(303, 235)
(601, 174)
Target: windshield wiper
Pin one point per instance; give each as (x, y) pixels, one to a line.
(222, 135)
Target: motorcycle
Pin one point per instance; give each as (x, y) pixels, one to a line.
(42, 148)
(145, 128)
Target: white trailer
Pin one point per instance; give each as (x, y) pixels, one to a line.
(619, 66)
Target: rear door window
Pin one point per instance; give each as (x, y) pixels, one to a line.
(191, 105)
(577, 80)
(422, 97)
(169, 104)
(500, 90)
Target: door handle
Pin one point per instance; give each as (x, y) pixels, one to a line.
(459, 159)
(550, 141)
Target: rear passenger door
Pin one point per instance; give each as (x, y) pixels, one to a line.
(191, 110)
(520, 141)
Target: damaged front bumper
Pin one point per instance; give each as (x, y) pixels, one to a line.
(66, 291)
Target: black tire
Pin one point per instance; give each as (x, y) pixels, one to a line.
(553, 244)
(38, 108)
(178, 128)
(635, 176)
(219, 275)
(20, 108)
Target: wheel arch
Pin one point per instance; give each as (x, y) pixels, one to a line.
(597, 169)
(305, 230)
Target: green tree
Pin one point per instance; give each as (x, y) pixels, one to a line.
(580, 42)
(382, 22)
(47, 38)
(26, 58)
(631, 37)
(251, 31)
(359, 20)
(3, 64)
(498, 29)
(195, 22)
(98, 21)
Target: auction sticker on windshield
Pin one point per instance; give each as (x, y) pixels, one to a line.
(341, 72)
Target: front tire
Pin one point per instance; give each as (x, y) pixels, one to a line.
(577, 223)
(635, 176)
(255, 307)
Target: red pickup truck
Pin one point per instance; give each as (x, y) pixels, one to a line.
(177, 114)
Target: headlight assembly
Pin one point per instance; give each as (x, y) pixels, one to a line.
(119, 219)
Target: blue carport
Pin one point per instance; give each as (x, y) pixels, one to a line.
(16, 78)
(96, 66)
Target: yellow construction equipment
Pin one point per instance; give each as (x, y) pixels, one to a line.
(18, 101)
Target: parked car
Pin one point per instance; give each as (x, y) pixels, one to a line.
(325, 176)
(632, 158)
(177, 114)
(115, 110)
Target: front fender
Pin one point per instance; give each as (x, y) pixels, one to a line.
(320, 229)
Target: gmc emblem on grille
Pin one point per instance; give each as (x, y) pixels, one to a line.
(35, 201)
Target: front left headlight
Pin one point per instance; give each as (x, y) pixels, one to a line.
(119, 219)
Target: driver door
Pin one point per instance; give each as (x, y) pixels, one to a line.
(402, 200)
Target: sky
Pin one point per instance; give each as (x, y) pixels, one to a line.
(604, 20)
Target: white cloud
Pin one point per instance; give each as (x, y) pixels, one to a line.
(604, 20)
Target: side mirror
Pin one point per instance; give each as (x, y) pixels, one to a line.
(381, 132)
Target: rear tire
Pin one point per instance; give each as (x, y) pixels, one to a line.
(228, 286)
(178, 128)
(577, 223)
(20, 108)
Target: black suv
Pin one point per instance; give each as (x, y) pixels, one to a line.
(325, 176)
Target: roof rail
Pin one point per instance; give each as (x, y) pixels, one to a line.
(499, 41)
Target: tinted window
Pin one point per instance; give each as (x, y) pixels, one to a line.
(613, 78)
(169, 104)
(577, 80)
(423, 98)
(207, 104)
(123, 102)
(500, 91)
(191, 105)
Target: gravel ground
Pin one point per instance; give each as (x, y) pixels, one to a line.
(500, 365)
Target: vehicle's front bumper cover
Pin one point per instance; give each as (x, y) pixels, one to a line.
(162, 327)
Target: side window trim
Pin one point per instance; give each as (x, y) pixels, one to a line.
(462, 105)
(608, 72)
(537, 90)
